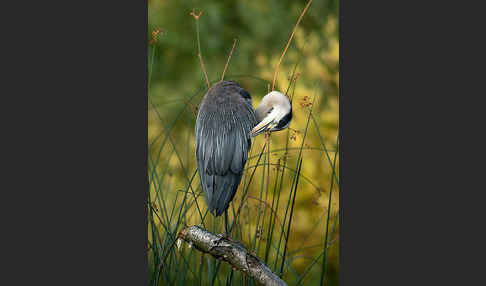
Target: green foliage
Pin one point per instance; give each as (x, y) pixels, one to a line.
(286, 208)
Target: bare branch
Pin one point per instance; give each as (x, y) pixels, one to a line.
(227, 62)
(232, 252)
(288, 43)
(204, 70)
(196, 18)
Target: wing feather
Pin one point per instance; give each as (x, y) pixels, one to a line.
(224, 122)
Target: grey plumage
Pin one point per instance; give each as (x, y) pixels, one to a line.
(225, 119)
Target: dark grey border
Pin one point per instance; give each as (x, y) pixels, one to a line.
(76, 176)
(411, 215)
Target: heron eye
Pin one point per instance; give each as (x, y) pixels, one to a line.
(270, 110)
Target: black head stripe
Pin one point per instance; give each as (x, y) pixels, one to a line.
(245, 94)
(286, 119)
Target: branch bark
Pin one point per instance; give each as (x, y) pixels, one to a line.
(232, 252)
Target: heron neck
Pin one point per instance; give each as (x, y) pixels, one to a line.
(260, 112)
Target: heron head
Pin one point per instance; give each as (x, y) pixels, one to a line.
(273, 114)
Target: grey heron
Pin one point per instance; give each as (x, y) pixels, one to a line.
(225, 125)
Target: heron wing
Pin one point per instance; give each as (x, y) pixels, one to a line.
(222, 145)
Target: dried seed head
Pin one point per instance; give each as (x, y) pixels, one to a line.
(194, 14)
(155, 33)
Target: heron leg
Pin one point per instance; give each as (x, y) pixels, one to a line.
(226, 230)
(229, 279)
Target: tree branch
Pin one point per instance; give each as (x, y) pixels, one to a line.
(232, 252)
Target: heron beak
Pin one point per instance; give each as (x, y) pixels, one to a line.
(261, 127)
